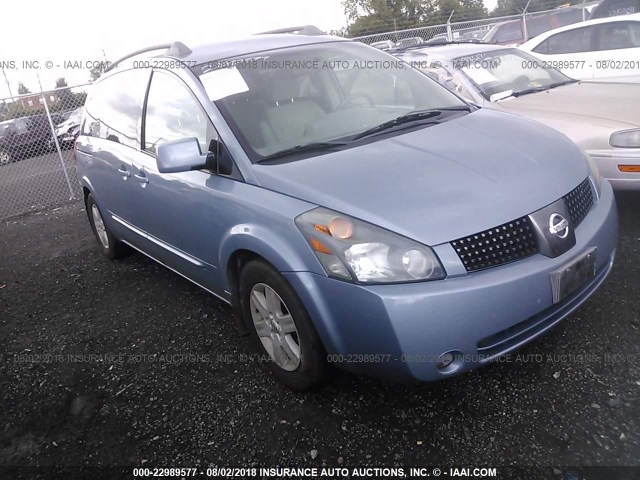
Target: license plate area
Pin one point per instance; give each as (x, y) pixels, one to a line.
(570, 277)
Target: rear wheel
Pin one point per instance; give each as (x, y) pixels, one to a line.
(281, 327)
(111, 247)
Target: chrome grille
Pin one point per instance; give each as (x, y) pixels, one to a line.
(497, 246)
(579, 201)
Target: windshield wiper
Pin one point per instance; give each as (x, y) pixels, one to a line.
(415, 116)
(309, 147)
(542, 88)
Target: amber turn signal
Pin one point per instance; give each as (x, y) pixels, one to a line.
(629, 168)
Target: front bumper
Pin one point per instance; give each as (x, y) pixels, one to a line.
(401, 331)
(609, 161)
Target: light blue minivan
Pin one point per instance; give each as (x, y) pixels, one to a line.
(352, 210)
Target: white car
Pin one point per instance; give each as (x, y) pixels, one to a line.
(599, 117)
(596, 49)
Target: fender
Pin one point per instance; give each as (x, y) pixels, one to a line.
(85, 182)
(278, 251)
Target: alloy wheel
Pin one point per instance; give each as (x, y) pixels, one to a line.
(98, 223)
(275, 327)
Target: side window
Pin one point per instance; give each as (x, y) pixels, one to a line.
(542, 48)
(510, 32)
(114, 109)
(616, 35)
(572, 41)
(634, 27)
(173, 113)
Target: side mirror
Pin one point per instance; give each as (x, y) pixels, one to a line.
(181, 156)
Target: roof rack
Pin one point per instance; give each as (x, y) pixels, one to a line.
(303, 30)
(175, 49)
(460, 41)
(440, 42)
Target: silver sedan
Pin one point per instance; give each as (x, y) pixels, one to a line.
(601, 118)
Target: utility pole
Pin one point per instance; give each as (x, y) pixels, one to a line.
(7, 82)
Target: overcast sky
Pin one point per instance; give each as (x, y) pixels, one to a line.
(80, 30)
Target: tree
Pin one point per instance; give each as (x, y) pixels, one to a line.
(66, 99)
(472, 10)
(22, 89)
(513, 7)
(380, 16)
(97, 70)
(377, 16)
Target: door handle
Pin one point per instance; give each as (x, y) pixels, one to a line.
(124, 172)
(141, 177)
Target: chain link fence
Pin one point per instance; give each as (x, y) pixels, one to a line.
(37, 133)
(512, 29)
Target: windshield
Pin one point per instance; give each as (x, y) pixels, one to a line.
(330, 92)
(501, 73)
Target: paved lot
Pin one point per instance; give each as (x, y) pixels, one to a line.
(33, 183)
(200, 402)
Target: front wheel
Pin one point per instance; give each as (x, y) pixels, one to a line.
(111, 247)
(281, 327)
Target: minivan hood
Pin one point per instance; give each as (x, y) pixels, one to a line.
(439, 183)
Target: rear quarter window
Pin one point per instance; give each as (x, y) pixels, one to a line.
(616, 35)
(572, 41)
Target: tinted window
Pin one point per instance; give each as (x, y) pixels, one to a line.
(537, 25)
(634, 27)
(510, 32)
(114, 108)
(617, 35)
(572, 41)
(173, 113)
(615, 8)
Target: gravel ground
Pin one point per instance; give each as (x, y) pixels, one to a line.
(201, 401)
(35, 183)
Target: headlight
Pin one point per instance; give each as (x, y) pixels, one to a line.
(595, 174)
(626, 139)
(351, 249)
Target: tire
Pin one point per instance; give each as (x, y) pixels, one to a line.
(111, 247)
(309, 369)
(5, 157)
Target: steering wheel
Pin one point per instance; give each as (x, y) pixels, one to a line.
(521, 83)
(351, 98)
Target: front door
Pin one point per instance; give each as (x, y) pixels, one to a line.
(180, 212)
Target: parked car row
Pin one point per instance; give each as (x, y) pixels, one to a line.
(604, 48)
(366, 218)
(23, 138)
(511, 32)
(27, 137)
(515, 32)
